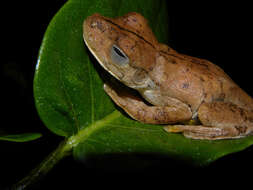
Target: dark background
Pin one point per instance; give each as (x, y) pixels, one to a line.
(218, 32)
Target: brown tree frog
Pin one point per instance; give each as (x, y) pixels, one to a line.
(175, 88)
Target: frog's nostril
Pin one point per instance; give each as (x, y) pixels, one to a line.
(93, 24)
(96, 24)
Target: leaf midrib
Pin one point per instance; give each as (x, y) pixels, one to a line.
(84, 133)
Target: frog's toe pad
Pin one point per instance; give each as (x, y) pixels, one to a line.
(174, 128)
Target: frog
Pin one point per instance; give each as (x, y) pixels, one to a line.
(182, 93)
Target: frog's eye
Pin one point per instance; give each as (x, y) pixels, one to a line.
(118, 56)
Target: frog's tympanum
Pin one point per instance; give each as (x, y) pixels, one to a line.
(177, 88)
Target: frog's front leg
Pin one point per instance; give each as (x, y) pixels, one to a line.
(142, 112)
(220, 121)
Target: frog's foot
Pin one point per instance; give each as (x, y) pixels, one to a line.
(203, 132)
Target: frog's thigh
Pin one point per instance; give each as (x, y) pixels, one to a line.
(220, 121)
(140, 111)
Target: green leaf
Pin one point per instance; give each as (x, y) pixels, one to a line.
(68, 90)
(70, 99)
(117, 134)
(21, 137)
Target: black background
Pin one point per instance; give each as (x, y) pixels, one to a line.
(218, 32)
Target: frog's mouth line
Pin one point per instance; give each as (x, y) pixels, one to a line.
(97, 57)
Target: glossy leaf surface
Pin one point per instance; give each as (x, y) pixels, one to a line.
(69, 94)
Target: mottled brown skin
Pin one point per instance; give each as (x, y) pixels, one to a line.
(179, 87)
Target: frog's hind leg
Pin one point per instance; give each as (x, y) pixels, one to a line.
(220, 121)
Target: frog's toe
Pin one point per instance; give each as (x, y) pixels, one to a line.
(198, 131)
(174, 128)
(201, 136)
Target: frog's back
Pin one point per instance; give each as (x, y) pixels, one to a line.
(217, 85)
(195, 81)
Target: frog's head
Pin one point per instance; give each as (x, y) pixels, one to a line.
(124, 46)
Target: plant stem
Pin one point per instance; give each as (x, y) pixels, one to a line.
(63, 150)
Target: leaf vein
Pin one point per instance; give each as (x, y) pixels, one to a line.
(68, 99)
(91, 93)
